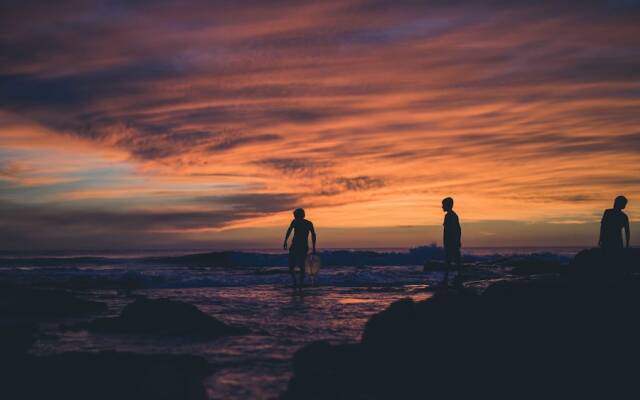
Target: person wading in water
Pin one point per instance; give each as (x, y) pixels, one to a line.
(299, 245)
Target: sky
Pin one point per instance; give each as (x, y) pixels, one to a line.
(203, 124)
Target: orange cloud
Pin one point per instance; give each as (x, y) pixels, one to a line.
(366, 112)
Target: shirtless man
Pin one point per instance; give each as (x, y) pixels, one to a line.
(299, 245)
(613, 222)
(451, 240)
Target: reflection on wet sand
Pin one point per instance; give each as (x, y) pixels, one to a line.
(417, 292)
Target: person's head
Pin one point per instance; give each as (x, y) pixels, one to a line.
(298, 213)
(447, 204)
(620, 203)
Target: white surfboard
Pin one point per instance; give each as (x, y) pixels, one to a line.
(312, 266)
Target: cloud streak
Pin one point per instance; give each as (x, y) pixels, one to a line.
(363, 110)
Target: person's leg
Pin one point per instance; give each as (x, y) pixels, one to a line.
(302, 257)
(292, 266)
(458, 261)
(447, 265)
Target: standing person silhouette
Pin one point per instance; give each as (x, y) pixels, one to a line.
(452, 241)
(299, 245)
(613, 221)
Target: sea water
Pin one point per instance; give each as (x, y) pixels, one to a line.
(256, 365)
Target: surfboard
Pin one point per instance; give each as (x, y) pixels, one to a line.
(312, 264)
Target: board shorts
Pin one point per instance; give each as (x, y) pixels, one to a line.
(452, 254)
(297, 257)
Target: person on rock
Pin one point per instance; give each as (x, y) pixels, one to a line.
(613, 222)
(452, 241)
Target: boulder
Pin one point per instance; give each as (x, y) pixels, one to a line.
(321, 362)
(605, 265)
(99, 376)
(105, 376)
(166, 318)
(539, 268)
(535, 338)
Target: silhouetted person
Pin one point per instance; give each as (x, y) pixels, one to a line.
(452, 241)
(299, 245)
(613, 221)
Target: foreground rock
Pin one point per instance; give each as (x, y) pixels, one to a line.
(27, 302)
(98, 376)
(548, 337)
(106, 375)
(166, 318)
(605, 265)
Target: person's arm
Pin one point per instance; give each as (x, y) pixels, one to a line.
(313, 237)
(286, 238)
(627, 230)
(459, 233)
(444, 230)
(602, 229)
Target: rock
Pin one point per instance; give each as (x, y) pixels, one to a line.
(24, 302)
(601, 264)
(321, 362)
(98, 376)
(105, 376)
(164, 317)
(535, 268)
(536, 338)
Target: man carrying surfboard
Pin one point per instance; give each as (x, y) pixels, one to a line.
(299, 245)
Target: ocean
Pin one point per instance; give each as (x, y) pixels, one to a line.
(249, 289)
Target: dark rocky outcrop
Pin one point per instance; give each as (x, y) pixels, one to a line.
(105, 375)
(534, 337)
(535, 264)
(164, 317)
(98, 376)
(28, 302)
(605, 265)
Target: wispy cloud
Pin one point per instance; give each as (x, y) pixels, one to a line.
(364, 110)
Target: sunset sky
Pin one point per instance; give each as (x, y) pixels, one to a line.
(203, 124)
